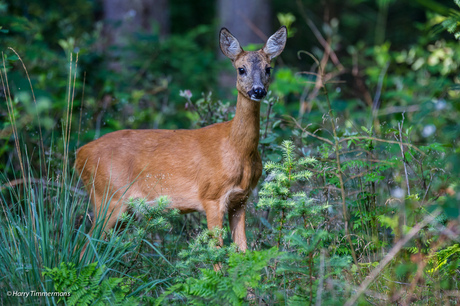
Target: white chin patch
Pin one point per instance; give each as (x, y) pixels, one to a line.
(255, 99)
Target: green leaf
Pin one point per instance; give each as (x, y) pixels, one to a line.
(268, 139)
(274, 157)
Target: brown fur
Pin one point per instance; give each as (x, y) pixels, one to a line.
(211, 169)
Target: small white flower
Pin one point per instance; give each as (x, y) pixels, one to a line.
(428, 130)
(439, 104)
(398, 193)
(185, 93)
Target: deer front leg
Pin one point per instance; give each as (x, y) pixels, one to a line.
(236, 216)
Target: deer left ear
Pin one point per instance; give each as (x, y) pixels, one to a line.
(229, 44)
(275, 44)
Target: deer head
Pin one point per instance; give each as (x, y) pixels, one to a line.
(253, 68)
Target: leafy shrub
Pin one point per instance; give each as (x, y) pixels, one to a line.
(228, 286)
(277, 191)
(88, 285)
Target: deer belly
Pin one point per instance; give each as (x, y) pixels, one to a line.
(181, 191)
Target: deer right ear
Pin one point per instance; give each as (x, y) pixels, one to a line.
(275, 44)
(229, 45)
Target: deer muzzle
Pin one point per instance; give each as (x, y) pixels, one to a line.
(257, 93)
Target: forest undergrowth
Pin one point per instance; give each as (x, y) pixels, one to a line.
(357, 204)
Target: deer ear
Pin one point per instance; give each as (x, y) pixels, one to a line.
(229, 45)
(275, 44)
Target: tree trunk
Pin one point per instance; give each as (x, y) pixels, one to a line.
(125, 17)
(249, 22)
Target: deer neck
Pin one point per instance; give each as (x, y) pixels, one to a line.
(244, 131)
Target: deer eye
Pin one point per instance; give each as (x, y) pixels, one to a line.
(241, 71)
(268, 70)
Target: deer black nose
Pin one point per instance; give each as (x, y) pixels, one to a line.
(258, 93)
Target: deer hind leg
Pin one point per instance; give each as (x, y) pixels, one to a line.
(107, 215)
(214, 216)
(236, 217)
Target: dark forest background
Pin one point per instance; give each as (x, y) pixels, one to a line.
(359, 199)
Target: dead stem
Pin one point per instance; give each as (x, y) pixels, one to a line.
(68, 122)
(81, 109)
(9, 104)
(36, 109)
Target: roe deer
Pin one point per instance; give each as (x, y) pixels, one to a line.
(211, 169)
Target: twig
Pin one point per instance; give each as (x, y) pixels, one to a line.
(360, 174)
(304, 130)
(322, 78)
(398, 246)
(356, 138)
(376, 102)
(396, 282)
(270, 105)
(318, 36)
(402, 153)
(382, 140)
(427, 188)
(398, 109)
(252, 26)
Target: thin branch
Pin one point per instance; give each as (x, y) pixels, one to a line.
(360, 174)
(304, 130)
(318, 36)
(376, 102)
(393, 252)
(252, 26)
(398, 109)
(382, 140)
